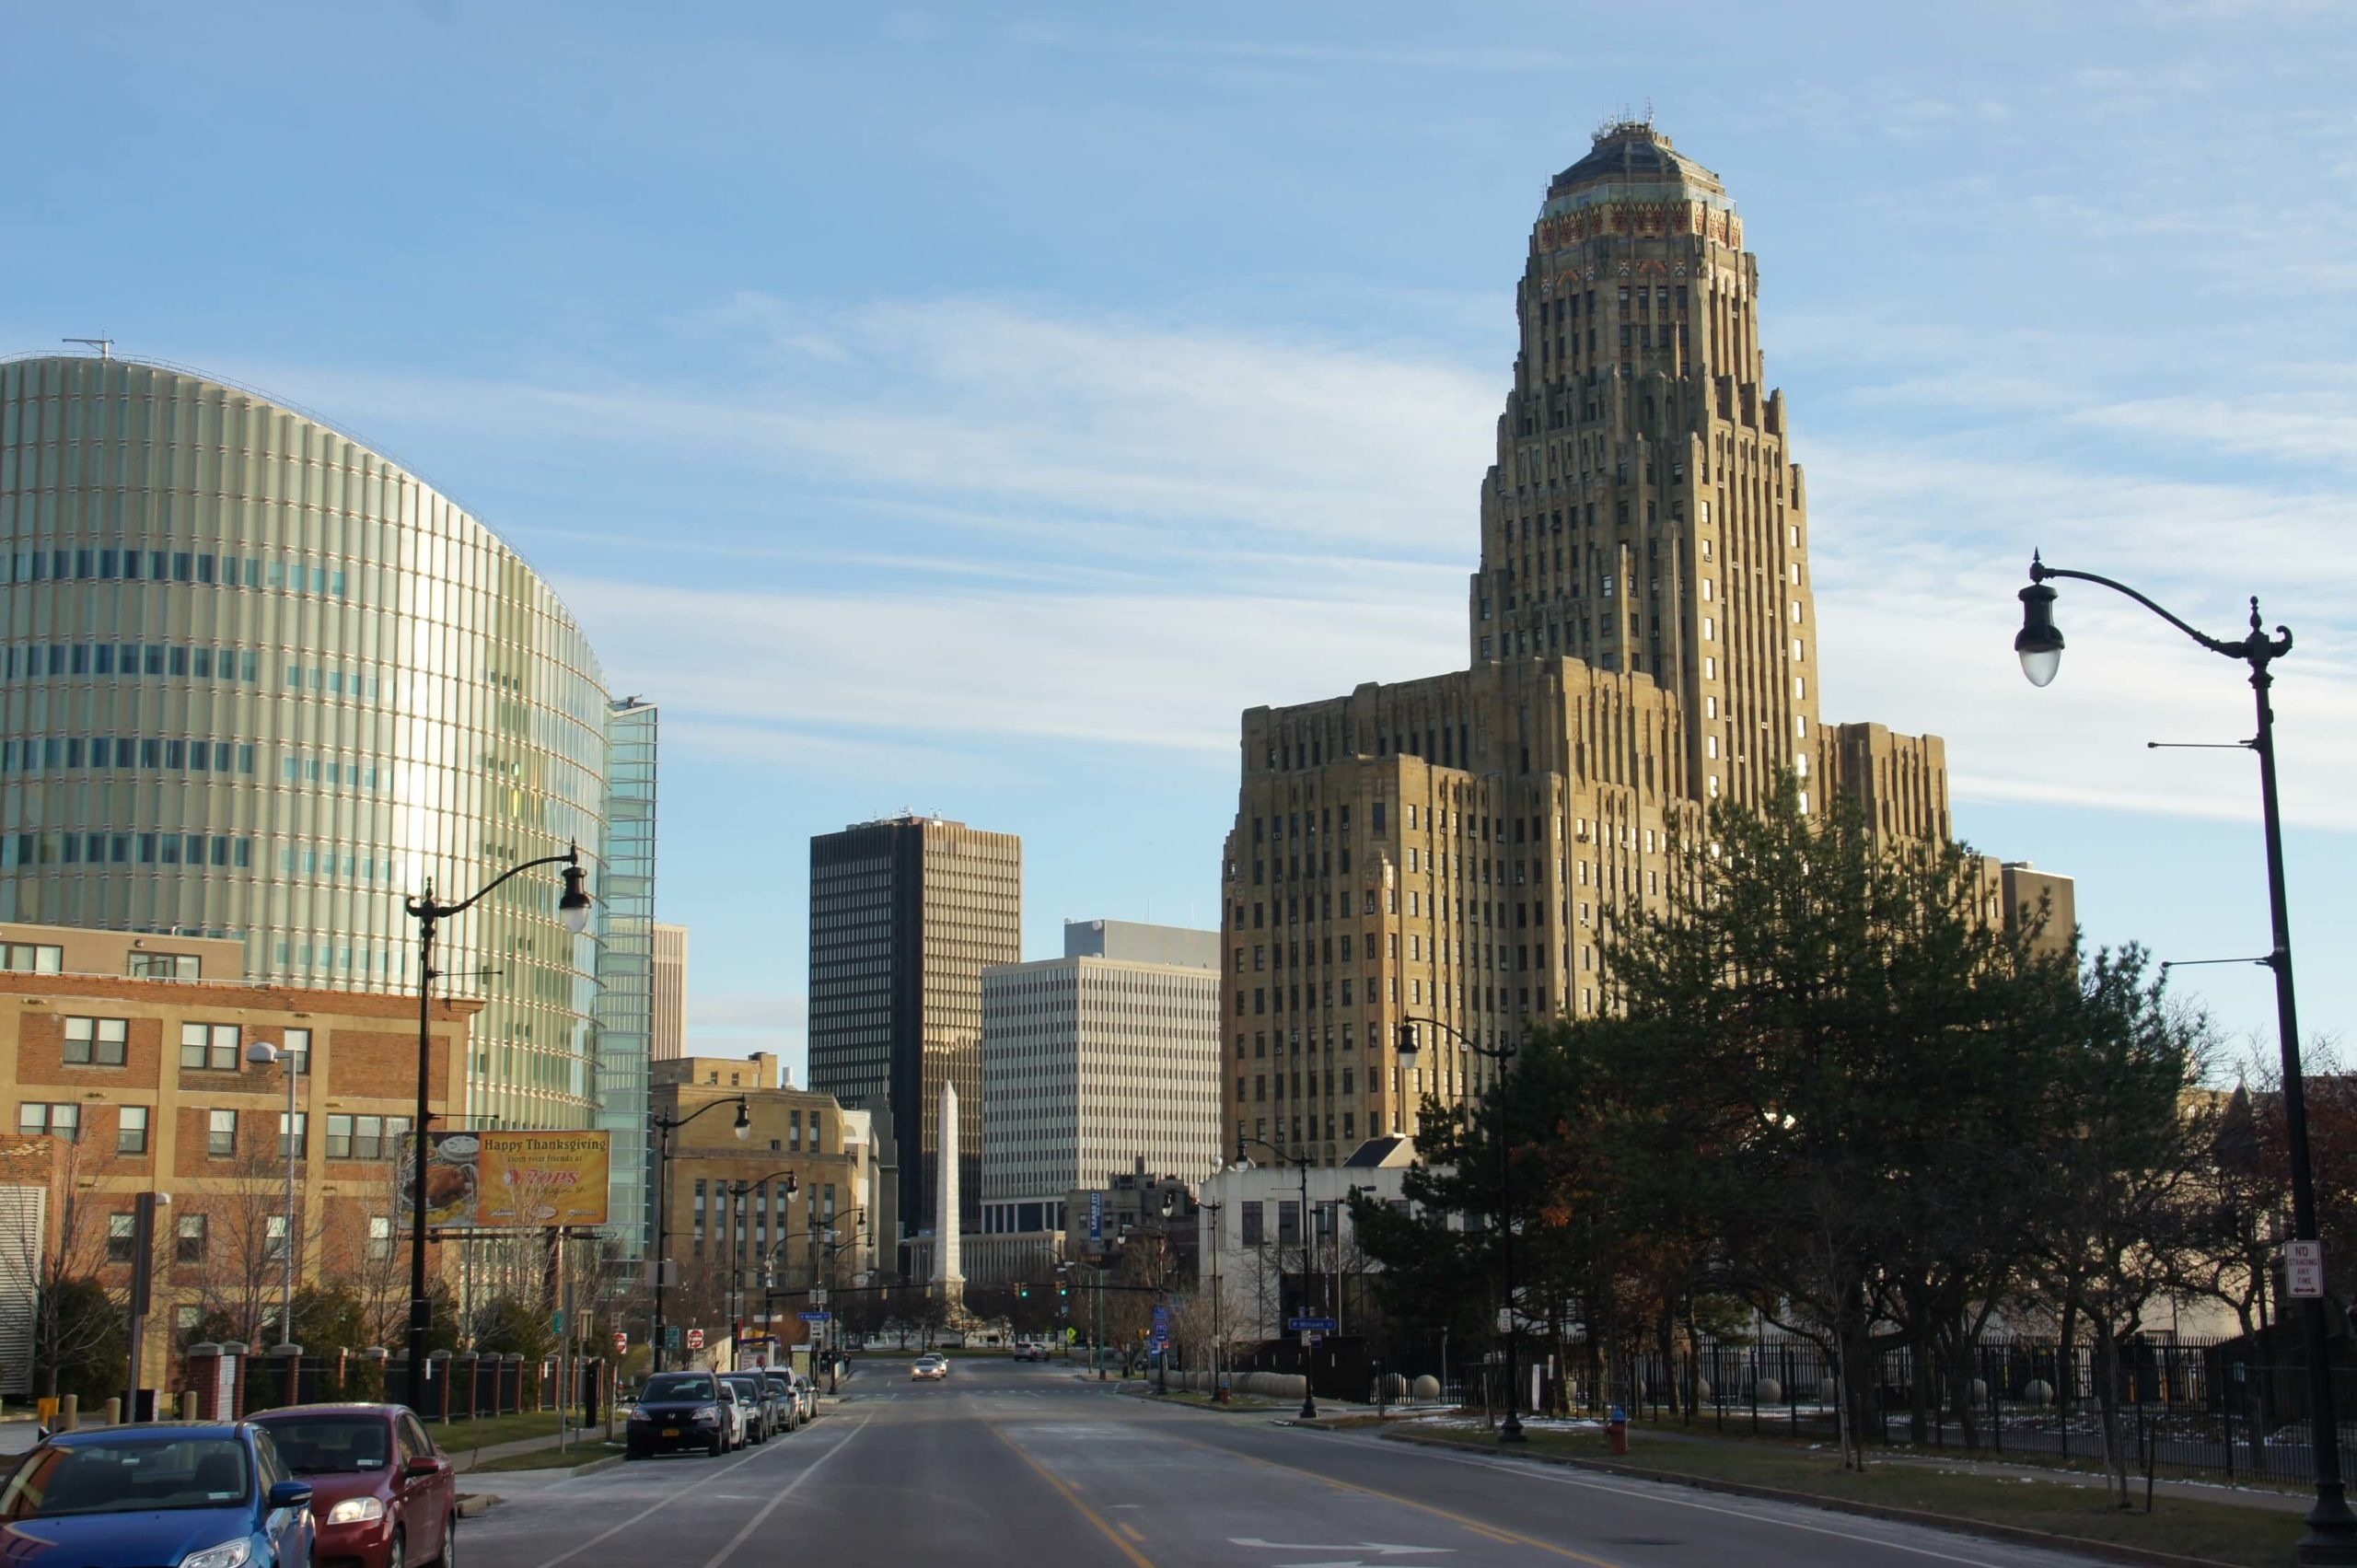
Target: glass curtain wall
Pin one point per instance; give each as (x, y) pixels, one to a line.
(626, 968)
(258, 681)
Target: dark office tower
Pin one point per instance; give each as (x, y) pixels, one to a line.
(905, 914)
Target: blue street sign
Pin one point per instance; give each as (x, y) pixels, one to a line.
(816, 1317)
(1162, 1320)
(1096, 1216)
(1311, 1325)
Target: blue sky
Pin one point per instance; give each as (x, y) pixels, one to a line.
(971, 409)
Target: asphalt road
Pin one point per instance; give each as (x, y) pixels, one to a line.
(1007, 1466)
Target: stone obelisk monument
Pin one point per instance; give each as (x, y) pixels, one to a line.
(948, 1278)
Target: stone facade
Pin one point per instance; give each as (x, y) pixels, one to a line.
(1642, 634)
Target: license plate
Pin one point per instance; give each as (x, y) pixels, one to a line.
(670, 1432)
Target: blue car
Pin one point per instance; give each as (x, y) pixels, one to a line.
(177, 1494)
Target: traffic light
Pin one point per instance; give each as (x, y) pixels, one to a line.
(1063, 1289)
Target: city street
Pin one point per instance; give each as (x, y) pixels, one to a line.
(1012, 1466)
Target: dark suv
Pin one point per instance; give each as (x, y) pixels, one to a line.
(679, 1410)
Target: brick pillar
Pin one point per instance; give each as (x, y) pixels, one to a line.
(438, 1379)
(201, 1375)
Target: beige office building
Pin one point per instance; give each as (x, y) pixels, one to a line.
(667, 1041)
(1643, 641)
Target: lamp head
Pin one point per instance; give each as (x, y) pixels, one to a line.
(261, 1053)
(1169, 1203)
(574, 905)
(1408, 1052)
(743, 1128)
(2039, 642)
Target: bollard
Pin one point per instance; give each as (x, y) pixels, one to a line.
(114, 1413)
(1616, 1430)
(188, 1404)
(69, 1412)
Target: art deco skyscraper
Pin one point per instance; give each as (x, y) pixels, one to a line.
(905, 914)
(1643, 641)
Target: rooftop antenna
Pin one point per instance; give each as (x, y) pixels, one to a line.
(104, 345)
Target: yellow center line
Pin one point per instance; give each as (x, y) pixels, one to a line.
(1492, 1531)
(1136, 1557)
(1131, 1531)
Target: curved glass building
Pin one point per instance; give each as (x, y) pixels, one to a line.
(258, 681)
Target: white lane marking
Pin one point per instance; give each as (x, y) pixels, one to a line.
(657, 1505)
(1375, 1547)
(791, 1488)
(1659, 1491)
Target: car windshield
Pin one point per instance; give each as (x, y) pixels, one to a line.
(748, 1387)
(331, 1445)
(127, 1476)
(678, 1386)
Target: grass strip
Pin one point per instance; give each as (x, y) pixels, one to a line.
(2180, 1529)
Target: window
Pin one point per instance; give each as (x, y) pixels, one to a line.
(380, 1237)
(131, 1130)
(366, 1137)
(190, 1246)
(292, 1138)
(1288, 1221)
(165, 966)
(121, 1237)
(273, 1245)
(63, 1122)
(220, 1135)
(297, 1045)
(1249, 1218)
(211, 1047)
(28, 958)
(95, 1042)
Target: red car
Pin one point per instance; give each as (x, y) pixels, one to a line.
(383, 1494)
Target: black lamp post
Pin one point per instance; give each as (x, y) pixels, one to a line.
(1162, 1294)
(575, 908)
(664, 1127)
(2332, 1530)
(1510, 1431)
(1309, 1270)
(739, 1192)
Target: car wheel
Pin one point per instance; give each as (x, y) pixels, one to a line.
(449, 1558)
(719, 1445)
(397, 1553)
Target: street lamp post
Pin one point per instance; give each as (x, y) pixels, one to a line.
(664, 1127)
(2332, 1530)
(739, 1193)
(1219, 1345)
(261, 1053)
(1162, 1295)
(574, 906)
(1510, 1431)
(1308, 1271)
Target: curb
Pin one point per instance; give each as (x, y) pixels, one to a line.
(2110, 1551)
(1149, 1397)
(474, 1503)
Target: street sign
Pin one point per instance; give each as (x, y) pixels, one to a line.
(816, 1317)
(1096, 1216)
(556, 1322)
(2304, 1269)
(621, 1342)
(695, 1338)
(673, 1337)
(1309, 1325)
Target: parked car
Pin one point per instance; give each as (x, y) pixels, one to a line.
(738, 1410)
(385, 1495)
(805, 1389)
(767, 1412)
(682, 1410)
(198, 1495)
(780, 1382)
(929, 1367)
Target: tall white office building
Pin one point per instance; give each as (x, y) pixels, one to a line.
(1094, 1060)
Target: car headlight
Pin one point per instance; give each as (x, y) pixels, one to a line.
(357, 1510)
(228, 1554)
(707, 1414)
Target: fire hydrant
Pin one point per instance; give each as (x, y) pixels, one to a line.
(1616, 1430)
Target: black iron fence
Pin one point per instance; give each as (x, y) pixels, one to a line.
(2236, 1408)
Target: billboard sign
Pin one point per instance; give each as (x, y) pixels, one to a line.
(514, 1181)
(1096, 1216)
